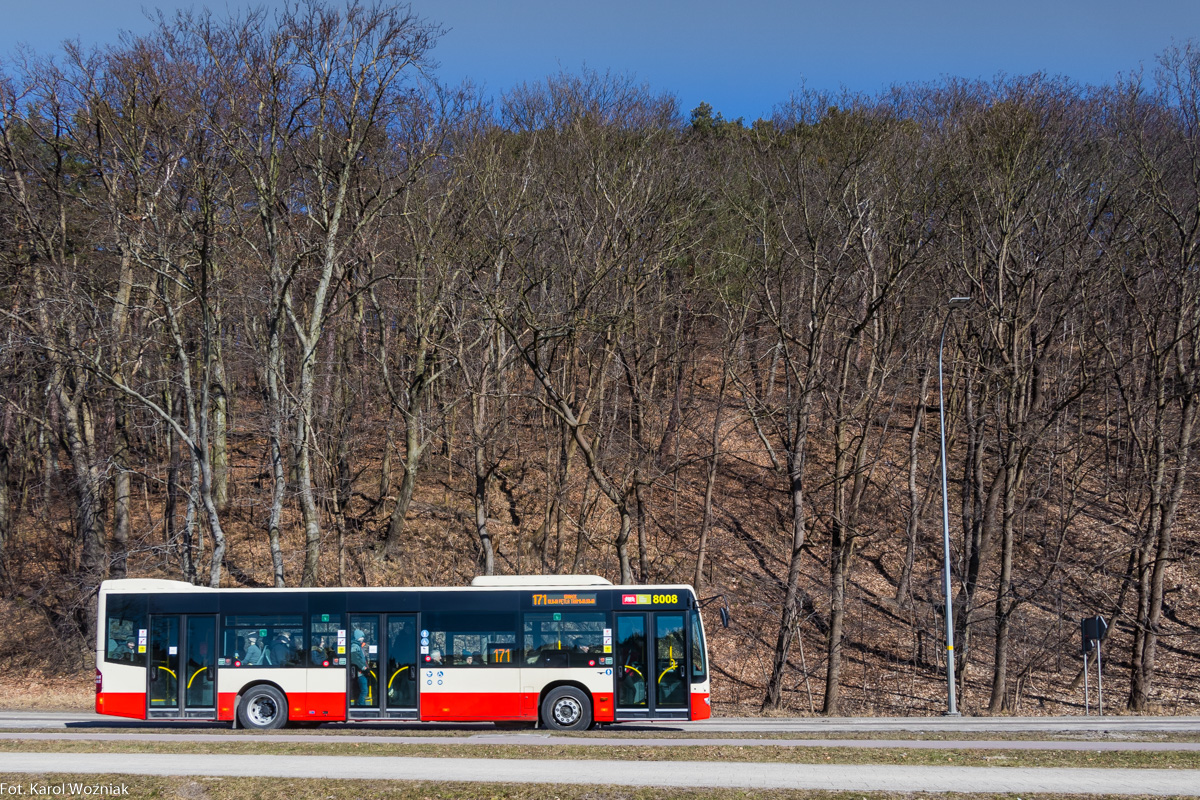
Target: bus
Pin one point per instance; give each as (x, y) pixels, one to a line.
(563, 652)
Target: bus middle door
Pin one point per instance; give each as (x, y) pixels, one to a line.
(181, 672)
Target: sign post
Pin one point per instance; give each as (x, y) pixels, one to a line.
(1093, 630)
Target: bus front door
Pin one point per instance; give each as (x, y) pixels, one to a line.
(181, 677)
(382, 667)
(650, 668)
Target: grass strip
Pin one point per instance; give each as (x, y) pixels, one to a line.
(205, 788)
(758, 754)
(382, 730)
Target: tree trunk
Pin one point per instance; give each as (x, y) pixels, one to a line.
(483, 476)
(791, 600)
(1155, 555)
(171, 504)
(710, 482)
(121, 492)
(639, 497)
(220, 423)
(408, 482)
(903, 586)
(4, 503)
(840, 554)
(121, 478)
(276, 446)
(1005, 602)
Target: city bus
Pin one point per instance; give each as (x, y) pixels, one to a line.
(563, 652)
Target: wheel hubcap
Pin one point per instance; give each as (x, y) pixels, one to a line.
(262, 711)
(567, 711)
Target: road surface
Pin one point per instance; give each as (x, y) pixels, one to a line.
(764, 725)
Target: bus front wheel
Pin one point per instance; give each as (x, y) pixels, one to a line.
(567, 709)
(263, 708)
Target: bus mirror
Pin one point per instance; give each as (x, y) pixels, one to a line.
(724, 609)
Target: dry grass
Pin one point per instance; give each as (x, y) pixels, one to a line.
(1129, 759)
(187, 788)
(39, 691)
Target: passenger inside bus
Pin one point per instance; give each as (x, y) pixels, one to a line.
(254, 653)
(280, 652)
(318, 653)
(358, 667)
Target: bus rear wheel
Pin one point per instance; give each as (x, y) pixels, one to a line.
(567, 709)
(263, 708)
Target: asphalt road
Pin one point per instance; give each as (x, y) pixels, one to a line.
(832, 777)
(765, 725)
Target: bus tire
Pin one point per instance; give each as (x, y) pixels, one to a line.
(263, 708)
(567, 709)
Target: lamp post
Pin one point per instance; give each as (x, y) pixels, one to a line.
(952, 710)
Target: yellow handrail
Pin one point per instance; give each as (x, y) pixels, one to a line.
(194, 674)
(635, 669)
(394, 674)
(674, 664)
(173, 675)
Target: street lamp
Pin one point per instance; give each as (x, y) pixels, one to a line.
(955, 302)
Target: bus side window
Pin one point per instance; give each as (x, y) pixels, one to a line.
(699, 668)
(324, 649)
(263, 640)
(125, 619)
(565, 639)
(479, 639)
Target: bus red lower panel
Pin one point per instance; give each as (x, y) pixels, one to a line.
(701, 706)
(323, 706)
(122, 704)
(225, 705)
(466, 706)
(605, 709)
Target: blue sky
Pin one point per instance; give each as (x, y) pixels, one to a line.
(742, 58)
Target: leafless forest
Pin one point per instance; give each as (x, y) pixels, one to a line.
(277, 308)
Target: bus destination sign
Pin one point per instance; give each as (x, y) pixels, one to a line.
(564, 599)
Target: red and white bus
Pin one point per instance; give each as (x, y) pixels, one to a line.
(565, 652)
